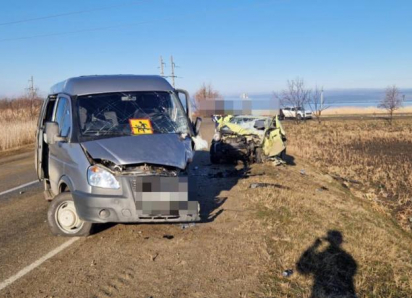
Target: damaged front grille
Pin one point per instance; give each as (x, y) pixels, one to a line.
(143, 169)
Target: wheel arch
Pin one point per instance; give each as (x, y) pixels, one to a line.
(65, 184)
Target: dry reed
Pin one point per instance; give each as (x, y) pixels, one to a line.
(17, 123)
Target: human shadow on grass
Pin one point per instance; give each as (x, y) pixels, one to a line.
(333, 269)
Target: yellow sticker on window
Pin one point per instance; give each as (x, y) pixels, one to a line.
(141, 126)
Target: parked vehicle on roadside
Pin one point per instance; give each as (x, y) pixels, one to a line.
(249, 139)
(115, 149)
(296, 113)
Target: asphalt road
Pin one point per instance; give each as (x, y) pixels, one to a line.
(118, 260)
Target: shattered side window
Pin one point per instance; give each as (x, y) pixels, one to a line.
(63, 117)
(131, 113)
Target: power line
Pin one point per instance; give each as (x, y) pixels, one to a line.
(71, 13)
(78, 31)
(179, 17)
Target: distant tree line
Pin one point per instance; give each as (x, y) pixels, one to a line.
(31, 105)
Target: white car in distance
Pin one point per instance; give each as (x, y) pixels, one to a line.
(298, 113)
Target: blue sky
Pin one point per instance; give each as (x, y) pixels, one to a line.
(237, 46)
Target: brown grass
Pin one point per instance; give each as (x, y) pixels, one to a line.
(17, 123)
(294, 216)
(370, 151)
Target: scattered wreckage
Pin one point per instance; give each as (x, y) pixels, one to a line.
(249, 139)
(116, 149)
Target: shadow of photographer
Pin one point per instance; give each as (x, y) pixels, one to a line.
(333, 269)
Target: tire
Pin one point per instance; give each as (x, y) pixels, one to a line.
(63, 219)
(299, 117)
(283, 154)
(213, 158)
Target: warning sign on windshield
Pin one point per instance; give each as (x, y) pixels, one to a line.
(141, 126)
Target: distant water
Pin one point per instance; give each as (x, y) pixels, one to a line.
(333, 98)
(361, 98)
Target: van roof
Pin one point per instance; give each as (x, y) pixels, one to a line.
(111, 83)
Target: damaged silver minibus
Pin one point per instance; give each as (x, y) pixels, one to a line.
(115, 148)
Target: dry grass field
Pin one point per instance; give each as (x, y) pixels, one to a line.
(373, 259)
(371, 157)
(17, 123)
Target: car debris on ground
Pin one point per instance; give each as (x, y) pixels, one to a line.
(322, 188)
(185, 226)
(287, 272)
(262, 185)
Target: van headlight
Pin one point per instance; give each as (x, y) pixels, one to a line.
(99, 177)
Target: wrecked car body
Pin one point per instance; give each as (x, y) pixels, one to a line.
(249, 139)
(115, 149)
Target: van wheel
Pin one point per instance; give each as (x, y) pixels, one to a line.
(63, 219)
(214, 159)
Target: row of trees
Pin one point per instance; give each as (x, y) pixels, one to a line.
(297, 95)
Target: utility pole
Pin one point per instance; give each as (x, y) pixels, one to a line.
(173, 65)
(162, 64)
(32, 93)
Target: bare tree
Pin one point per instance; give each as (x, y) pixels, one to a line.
(317, 103)
(206, 93)
(296, 95)
(392, 101)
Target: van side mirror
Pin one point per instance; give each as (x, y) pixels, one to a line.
(52, 133)
(197, 125)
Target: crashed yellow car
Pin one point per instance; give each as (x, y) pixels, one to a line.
(250, 139)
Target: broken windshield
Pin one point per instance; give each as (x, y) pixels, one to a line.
(131, 113)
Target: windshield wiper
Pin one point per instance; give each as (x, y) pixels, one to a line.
(97, 133)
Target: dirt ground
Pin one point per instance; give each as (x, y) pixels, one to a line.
(247, 238)
(216, 258)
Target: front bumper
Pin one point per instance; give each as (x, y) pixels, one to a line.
(140, 199)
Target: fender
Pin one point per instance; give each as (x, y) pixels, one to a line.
(66, 180)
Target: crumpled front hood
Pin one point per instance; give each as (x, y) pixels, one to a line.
(159, 149)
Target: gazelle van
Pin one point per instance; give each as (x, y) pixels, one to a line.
(115, 149)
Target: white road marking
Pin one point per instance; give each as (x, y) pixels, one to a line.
(36, 264)
(18, 187)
